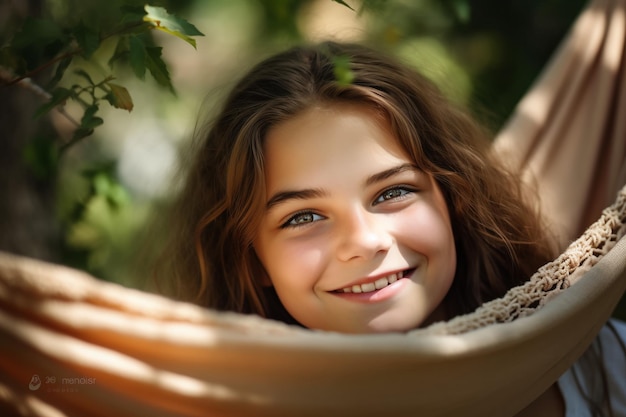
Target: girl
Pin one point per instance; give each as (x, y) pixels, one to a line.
(269, 198)
(361, 207)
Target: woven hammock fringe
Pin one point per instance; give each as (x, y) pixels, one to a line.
(550, 279)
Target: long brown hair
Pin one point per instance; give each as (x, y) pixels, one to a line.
(498, 238)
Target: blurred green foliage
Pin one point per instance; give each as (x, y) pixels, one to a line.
(482, 53)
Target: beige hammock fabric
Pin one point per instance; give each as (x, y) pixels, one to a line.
(119, 352)
(74, 346)
(568, 134)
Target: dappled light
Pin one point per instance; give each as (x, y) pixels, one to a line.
(290, 277)
(458, 44)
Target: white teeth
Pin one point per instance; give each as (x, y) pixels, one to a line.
(373, 286)
(381, 283)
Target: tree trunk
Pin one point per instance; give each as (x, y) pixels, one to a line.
(28, 225)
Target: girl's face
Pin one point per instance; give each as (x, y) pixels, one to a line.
(355, 238)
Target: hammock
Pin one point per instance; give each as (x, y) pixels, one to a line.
(71, 345)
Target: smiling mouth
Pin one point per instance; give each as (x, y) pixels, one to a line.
(380, 283)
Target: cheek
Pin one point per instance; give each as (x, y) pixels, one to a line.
(293, 264)
(426, 227)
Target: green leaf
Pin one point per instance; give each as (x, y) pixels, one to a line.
(344, 4)
(59, 72)
(122, 50)
(101, 183)
(342, 71)
(119, 97)
(138, 56)
(89, 119)
(37, 31)
(88, 40)
(144, 57)
(79, 134)
(118, 196)
(162, 20)
(91, 172)
(104, 184)
(132, 14)
(82, 73)
(462, 10)
(157, 67)
(39, 41)
(58, 96)
(131, 23)
(88, 123)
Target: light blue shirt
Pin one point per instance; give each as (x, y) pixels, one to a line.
(584, 378)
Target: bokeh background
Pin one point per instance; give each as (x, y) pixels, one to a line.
(92, 211)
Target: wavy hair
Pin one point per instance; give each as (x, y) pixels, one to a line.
(499, 239)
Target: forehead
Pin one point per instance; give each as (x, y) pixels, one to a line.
(335, 135)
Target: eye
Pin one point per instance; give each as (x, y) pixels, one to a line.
(393, 194)
(302, 219)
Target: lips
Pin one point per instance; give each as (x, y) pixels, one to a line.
(378, 284)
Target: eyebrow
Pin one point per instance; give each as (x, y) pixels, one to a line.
(294, 195)
(388, 173)
(310, 193)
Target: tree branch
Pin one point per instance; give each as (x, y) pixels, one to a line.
(43, 67)
(7, 78)
(29, 84)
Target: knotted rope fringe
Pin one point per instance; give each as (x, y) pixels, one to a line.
(550, 279)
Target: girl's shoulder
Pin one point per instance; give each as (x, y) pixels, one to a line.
(598, 378)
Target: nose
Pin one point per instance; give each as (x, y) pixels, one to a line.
(362, 236)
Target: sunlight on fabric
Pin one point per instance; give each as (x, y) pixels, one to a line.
(96, 319)
(96, 360)
(615, 39)
(577, 97)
